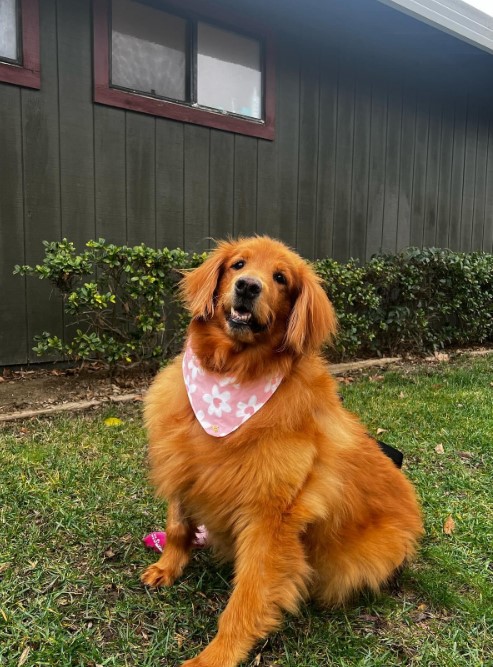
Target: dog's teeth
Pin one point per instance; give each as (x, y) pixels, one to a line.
(242, 317)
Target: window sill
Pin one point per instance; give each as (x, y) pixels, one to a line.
(20, 76)
(182, 112)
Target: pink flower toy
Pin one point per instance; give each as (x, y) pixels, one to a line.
(157, 540)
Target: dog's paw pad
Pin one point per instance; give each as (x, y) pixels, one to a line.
(155, 576)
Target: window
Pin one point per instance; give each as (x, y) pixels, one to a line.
(148, 50)
(169, 60)
(8, 31)
(229, 71)
(19, 42)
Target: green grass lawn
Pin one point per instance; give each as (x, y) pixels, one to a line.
(74, 504)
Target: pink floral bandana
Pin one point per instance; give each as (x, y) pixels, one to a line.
(220, 404)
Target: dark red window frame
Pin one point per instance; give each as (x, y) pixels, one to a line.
(27, 72)
(105, 94)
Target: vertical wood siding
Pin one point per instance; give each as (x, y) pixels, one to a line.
(361, 163)
(13, 330)
(41, 159)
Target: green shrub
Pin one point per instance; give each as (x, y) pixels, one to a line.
(414, 302)
(356, 303)
(123, 301)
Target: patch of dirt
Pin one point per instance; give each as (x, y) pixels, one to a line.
(43, 388)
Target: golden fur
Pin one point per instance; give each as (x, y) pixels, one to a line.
(299, 497)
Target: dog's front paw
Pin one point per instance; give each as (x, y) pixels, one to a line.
(157, 576)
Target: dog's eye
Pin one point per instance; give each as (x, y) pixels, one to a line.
(280, 278)
(238, 265)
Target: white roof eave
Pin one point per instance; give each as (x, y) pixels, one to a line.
(453, 16)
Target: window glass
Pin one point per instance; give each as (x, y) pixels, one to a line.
(8, 30)
(229, 71)
(148, 51)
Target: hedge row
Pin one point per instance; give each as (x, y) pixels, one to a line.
(414, 302)
(123, 302)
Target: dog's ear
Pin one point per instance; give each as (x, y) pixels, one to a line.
(313, 319)
(198, 287)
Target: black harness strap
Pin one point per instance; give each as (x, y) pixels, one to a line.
(393, 453)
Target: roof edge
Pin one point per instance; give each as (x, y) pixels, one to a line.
(456, 17)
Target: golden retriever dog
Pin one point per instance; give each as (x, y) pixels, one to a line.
(298, 496)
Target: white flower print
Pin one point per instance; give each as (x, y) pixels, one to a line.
(272, 384)
(194, 368)
(203, 421)
(223, 382)
(191, 388)
(246, 410)
(218, 402)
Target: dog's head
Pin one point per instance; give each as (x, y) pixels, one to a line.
(257, 288)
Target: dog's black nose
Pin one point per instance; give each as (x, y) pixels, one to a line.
(248, 287)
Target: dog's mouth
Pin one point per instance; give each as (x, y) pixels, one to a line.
(242, 319)
(240, 316)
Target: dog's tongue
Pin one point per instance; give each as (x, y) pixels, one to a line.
(241, 317)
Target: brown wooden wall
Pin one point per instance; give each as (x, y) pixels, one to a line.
(364, 160)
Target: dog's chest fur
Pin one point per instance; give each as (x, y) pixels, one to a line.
(218, 479)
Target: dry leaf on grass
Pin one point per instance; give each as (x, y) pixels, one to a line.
(449, 526)
(24, 656)
(419, 618)
(439, 449)
(4, 567)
